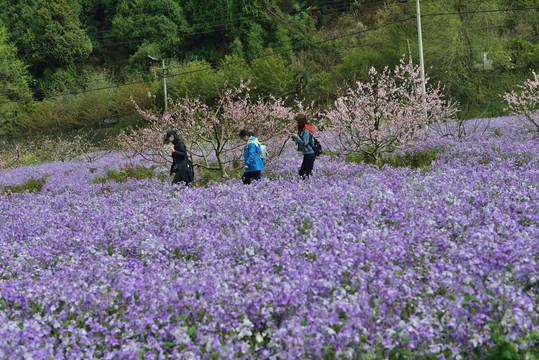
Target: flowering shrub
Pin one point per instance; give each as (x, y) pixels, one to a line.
(525, 104)
(388, 111)
(356, 262)
(211, 132)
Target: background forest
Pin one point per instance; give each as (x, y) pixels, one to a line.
(78, 64)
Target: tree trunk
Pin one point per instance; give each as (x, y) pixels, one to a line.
(377, 157)
(222, 166)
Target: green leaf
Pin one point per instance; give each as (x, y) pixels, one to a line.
(405, 339)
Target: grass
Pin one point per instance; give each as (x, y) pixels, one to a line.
(31, 185)
(137, 172)
(414, 160)
(205, 177)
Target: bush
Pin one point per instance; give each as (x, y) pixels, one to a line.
(57, 81)
(204, 177)
(192, 79)
(272, 75)
(410, 158)
(137, 172)
(94, 105)
(122, 101)
(30, 185)
(92, 109)
(234, 72)
(321, 86)
(102, 100)
(51, 115)
(357, 63)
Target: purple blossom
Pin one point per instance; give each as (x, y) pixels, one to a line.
(355, 260)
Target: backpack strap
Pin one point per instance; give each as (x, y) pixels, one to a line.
(257, 144)
(311, 138)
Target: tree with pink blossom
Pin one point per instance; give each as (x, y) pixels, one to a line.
(388, 111)
(211, 131)
(524, 104)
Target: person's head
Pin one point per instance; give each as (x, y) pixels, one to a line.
(301, 121)
(245, 134)
(171, 137)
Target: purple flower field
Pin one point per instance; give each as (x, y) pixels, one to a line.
(356, 262)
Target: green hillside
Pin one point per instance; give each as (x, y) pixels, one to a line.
(70, 64)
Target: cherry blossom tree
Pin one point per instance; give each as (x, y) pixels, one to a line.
(524, 104)
(211, 132)
(147, 142)
(375, 117)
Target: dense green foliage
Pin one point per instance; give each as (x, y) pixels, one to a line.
(476, 49)
(15, 92)
(50, 40)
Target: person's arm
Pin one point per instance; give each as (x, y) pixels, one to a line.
(303, 140)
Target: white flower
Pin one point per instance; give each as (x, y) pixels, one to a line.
(245, 328)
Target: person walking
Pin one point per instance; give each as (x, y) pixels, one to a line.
(253, 163)
(182, 167)
(305, 141)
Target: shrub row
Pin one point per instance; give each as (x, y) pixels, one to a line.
(90, 110)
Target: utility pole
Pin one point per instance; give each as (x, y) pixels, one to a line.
(408, 50)
(165, 71)
(165, 86)
(420, 43)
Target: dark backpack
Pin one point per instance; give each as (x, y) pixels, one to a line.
(317, 147)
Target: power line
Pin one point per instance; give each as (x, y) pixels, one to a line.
(277, 52)
(480, 11)
(229, 63)
(216, 27)
(290, 11)
(333, 10)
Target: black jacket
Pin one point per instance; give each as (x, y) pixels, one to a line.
(181, 162)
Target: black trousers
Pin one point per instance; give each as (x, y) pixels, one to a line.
(247, 176)
(307, 165)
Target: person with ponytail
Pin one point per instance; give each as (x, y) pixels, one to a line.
(305, 141)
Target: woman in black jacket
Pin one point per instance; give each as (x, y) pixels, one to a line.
(182, 168)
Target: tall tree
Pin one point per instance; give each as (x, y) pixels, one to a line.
(210, 27)
(15, 90)
(96, 15)
(464, 43)
(141, 23)
(47, 33)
